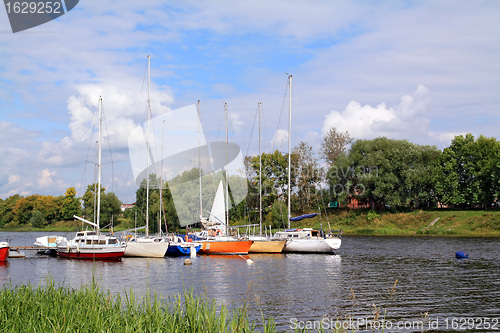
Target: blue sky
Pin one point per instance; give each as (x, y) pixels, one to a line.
(423, 71)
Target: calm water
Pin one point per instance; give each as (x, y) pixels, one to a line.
(301, 290)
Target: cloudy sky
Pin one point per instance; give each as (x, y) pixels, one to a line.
(418, 70)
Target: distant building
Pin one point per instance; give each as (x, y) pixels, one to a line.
(127, 206)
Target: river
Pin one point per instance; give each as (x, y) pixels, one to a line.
(410, 281)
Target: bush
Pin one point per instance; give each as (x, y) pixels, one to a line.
(37, 219)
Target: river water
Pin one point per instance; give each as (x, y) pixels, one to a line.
(415, 283)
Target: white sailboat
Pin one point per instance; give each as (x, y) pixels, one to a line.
(304, 240)
(216, 234)
(153, 247)
(263, 244)
(92, 244)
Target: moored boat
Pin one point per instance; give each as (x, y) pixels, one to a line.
(4, 251)
(146, 247)
(48, 244)
(92, 244)
(308, 240)
(179, 247)
(266, 245)
(224, 245)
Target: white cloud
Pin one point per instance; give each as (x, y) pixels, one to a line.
(367, 122)
(280, 140)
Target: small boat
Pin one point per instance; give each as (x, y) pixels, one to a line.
(308, 240)
(146, 247)
(48, 244)
(214, 239)
(266, 245)
(4, 251)
(92, 244)
(179, 247)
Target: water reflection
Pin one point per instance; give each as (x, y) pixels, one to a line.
(303, 286)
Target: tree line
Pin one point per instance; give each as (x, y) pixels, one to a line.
(379, 173)
(42, 210)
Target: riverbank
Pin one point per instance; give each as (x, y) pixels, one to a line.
(439, 222)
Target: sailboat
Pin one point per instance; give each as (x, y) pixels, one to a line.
(92, 244)
(304, 240)
(263, 244)
(152, 247)
(216, 239)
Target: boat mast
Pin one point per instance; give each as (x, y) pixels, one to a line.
(199, 160)
(99, 164)
(161, 181)
(227, 185)
(260, 179)
(147, 144)
(289, 143)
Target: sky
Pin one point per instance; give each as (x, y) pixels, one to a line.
(424, 71)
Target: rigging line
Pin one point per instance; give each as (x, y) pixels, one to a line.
(251, 133)
(281, 114)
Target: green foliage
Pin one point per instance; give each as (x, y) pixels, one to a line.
(70, 204)
(279, 214)
(110, 205)
(37, 220)
(385, 172)
(467, 173)
(7, 209)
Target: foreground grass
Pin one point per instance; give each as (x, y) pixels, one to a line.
(25, 308)
(88, 309)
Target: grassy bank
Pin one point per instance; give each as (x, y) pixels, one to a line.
(483, 223)
(88, 309)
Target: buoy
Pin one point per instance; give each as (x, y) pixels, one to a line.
(249, 261)
(187, 262)
(461, 255)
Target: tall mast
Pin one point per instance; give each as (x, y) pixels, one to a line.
(289, 144)
(227, 185)
(161, 181)
(147, 144)
(99, 164)
(199, 160)
(260, 180)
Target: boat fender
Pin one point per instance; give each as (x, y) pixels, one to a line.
(461, 255)
(78, 249)
(68, 248)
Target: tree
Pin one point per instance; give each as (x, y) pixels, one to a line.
(37, 220)
(466, 173)
(386, 172)
(110, 205)
(70, 204)
(334, 145)
(307, 175)
(7, 209)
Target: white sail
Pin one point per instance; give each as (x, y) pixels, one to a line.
(218, 213)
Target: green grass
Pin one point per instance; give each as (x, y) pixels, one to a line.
(26, 308)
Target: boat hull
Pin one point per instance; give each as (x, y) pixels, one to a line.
(267, 246)
(4, 251)
(146, 249)
(225, 246)
(179, 250)
(320, 245)
(104, 252)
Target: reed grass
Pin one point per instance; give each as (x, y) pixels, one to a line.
(49, 308)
